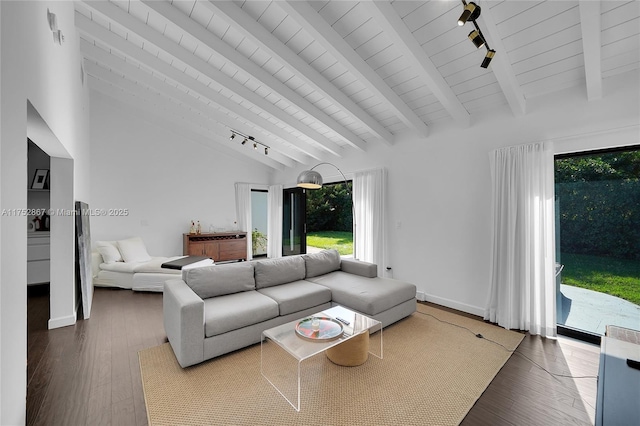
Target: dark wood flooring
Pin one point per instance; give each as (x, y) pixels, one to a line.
(88, 374)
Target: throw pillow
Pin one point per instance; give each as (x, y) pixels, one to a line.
(133, 250)
(109, 251)
(322, 263)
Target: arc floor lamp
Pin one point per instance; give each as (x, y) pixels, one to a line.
(310, 179)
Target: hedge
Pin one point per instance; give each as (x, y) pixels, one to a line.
(600, 218)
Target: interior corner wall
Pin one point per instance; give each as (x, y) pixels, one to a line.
(439, 187)
(2, 387)
(156, 181)
(33, 70)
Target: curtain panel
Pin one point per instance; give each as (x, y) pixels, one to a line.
(523, 290)
(369, 193)
(243, 213)
(274, 224)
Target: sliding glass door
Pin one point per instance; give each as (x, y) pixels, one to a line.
(598, 239)
(294, 217)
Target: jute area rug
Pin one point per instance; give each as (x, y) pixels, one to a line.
(432, 374)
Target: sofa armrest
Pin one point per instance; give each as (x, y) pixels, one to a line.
(358, 267)
(96, 260)
(183, 313)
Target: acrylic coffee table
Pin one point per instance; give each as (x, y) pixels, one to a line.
(284, 348)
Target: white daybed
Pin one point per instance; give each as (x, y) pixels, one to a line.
(126, 264)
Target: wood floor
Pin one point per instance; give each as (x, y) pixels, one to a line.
(88, 374)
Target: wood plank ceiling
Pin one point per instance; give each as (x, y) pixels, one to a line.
(315, 80)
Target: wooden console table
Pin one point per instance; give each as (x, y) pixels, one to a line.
(220, 246)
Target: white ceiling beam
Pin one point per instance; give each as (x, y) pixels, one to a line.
(228, 53)
(403, 40)
(172, 109)
(591, 26)
(222, 121)
(271, 44)
(121, 18)
(323, 33)
(117, 43)
(500, 64)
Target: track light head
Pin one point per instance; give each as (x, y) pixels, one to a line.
(244, 141)
(488, 57)
(255, 145)
(233, 135)
(476, 37)
(471, 12)
(266, 151)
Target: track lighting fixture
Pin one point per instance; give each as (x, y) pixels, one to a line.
(471, 12)
(488, 57)
(476, 37)
(247, 138)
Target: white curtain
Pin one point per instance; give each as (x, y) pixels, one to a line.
(523, 291)
(369, 189)
(274, 224)
(243, 213)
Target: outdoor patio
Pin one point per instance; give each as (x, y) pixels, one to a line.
(592, 311)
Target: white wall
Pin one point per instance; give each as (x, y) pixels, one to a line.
(162, 179)
(33, 69)
(439, 188)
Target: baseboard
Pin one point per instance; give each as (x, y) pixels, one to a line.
(62, 321)
(475, 310)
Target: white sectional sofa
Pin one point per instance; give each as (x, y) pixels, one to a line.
(127, 264)
(217, 309)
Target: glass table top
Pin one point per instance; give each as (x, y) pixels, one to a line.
(353, 324)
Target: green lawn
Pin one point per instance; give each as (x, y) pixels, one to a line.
(342, 241)
(617, 277)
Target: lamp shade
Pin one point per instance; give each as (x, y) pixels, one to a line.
(310, 179)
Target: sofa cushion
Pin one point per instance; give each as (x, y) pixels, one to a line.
(298, 295)
(367, 295)
(322, 263)
(279, 271)
(233, 311)
(218, 280)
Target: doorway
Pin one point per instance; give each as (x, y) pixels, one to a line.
(319, 219)
(598, 240)
(64, 299)
(330, 218)
(259, 222)
(294, 221)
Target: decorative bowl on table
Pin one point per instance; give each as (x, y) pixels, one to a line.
(319, 329)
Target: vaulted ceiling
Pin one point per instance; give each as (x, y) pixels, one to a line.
(314, 80)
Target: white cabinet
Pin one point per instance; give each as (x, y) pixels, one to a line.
(38, 263)
(618, 397)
